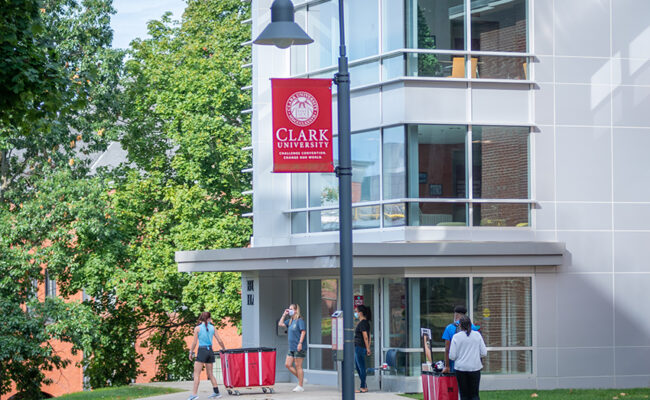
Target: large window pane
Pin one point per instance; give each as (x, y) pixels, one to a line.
(323, 28)
(438, 297)
(365, 166)
(298, 190)
(508, 362)
(322, 304)
(502, 307)
(392, 25)
(394, 165)
(324, 221)
(299, 53)
(364, 74)
(500, 162)
(437, 164)
(394, 215)
(361, 28)
(492, 67)
(395, 326)
(435, 65)
(438, 214)
(365, 217)
(299, 296)
(436, 24)
(392, 67)
(499, 25)
(299, 222)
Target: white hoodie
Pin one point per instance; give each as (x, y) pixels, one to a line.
(466, 351)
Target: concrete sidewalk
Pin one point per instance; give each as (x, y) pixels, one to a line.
(282, 392)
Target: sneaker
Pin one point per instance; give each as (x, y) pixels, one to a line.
(214, 395)
(298, 389)
(193, 397)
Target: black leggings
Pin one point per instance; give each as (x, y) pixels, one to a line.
(468, 383)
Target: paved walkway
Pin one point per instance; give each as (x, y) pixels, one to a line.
(282, 392)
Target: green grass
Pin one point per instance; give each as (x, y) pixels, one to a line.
(120, 393)
(565, 394)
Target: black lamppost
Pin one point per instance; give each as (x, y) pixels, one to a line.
(282, 32)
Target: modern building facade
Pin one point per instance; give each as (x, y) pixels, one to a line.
(499, 161)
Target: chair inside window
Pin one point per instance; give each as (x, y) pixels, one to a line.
(458, 67)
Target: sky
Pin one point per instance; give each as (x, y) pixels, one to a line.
(132, 16)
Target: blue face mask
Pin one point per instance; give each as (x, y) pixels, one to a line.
(291, 312)
(356, 315)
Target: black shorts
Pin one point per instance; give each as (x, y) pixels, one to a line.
(205, 355)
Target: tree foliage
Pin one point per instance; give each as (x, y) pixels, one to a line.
(111, 234)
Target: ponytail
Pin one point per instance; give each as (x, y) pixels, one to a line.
(465, 324)
(204, 317)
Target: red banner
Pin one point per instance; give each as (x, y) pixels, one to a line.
(302, 125)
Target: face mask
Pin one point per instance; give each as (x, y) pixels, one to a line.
(356, 315)
(291, 312)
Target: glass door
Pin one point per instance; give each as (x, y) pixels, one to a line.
(365, 293)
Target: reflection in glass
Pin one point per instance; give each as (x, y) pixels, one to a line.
(364, 74)
(323, 28)
(321, 359)
(298, 190)
(394, 162)
(499, 25)
(361, 28)
(299, 53)
(395, 326)
(491, 67)
(392, 67)
(324, 221)
(500, 162)
(503, 310)
(437, 299)
(322, 304)
(365, 166)
(435, 65)
(392, 25)
(500, 214)
(394, 215)
(508, 362)
(436, 24)
(299, 222)
(365, 217)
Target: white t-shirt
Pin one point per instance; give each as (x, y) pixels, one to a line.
(466, 351)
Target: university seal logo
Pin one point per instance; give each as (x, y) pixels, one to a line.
(302, 108)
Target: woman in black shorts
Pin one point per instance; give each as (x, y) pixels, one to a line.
(203, 334)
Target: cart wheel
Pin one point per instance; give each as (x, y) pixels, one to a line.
(271, 390)
(230, 392)
(237, 393)
(263, 390)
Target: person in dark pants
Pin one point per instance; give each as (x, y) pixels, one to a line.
(467, 348)
(362, 343)
(203, 335)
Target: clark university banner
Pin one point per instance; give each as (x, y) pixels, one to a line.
(302, 125)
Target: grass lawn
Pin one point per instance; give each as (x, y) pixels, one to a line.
(120, 393)
(570, 394)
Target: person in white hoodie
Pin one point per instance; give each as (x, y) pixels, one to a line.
(467, 348)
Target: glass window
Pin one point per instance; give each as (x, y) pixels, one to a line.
(392, 25)
(298, 190)
(364, 74)
(299, 296)
(501, 214)
(493, 67)
(299, 222)
(438, 214)
(322, 26)
(435, 65)
(508, 362)
(322, 304)
(392, 67)
(499, 25)
(436, 24)
(394, 215)
(365, 166)
(324, 188)
(395, 326)
(437, 299)
(324, 221)
(503, 309)
(500, 162)
(321, 359)
(299, 53)
(361, 28)
(365, 217)
(50, 285)
(394, 162)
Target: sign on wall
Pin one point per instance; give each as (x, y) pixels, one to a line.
(302, 125)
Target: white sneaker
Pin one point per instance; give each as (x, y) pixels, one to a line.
(193, 397)
(298, 389)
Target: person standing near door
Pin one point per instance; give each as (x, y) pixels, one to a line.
(362, 343)
(297, 343)
(448, 334)
(467, 348)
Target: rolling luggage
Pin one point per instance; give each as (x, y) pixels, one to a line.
(248, 368)
(437, 386)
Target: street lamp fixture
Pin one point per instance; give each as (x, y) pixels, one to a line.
(283, 32)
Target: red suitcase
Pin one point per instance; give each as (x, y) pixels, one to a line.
(247, 368)
(436, 386)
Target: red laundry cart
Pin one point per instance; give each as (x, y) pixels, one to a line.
(437, 386)
(248, 368)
